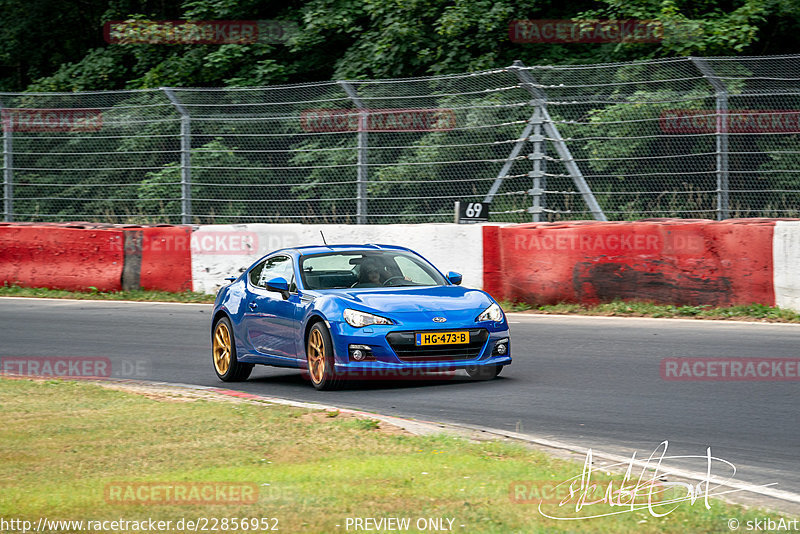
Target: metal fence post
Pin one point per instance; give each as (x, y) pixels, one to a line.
(362, 168)
(558, 141)
(723, 178)
(512, 157)
(537, 156)
(8, 170)
(186, 157)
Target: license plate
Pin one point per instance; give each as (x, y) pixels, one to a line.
(442, 338)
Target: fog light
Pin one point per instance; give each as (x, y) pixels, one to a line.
(501, 347)
(360, 353)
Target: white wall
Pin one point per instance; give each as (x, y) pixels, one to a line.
(221, 250)
(786, 264)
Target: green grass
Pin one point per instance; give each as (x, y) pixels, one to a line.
(752, 312)
(63, 442)
(757, 312)
(93, 294)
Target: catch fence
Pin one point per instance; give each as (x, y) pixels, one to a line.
(680, 137)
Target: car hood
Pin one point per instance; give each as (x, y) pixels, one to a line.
(416, 299)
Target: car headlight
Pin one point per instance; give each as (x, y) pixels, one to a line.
(358, 318)
(492, 313)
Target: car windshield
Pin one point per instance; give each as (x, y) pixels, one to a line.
(374, 268)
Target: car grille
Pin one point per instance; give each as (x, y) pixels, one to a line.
(403, 344)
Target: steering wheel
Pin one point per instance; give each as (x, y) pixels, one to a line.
(386, 282)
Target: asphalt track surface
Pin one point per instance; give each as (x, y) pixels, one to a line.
(590, 382)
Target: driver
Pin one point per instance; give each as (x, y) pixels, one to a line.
(371, 273)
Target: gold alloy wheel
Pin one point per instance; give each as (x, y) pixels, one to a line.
(316, 356)
(222, 348)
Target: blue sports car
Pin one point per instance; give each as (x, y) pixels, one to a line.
(355, 309)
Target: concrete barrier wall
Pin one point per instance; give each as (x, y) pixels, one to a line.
(222, 250)
(672, 261)
(786, 259)
(77, 256)
(162, 255)
(61, 257)
(666, 261)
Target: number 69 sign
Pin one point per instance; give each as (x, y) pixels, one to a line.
(471, 212)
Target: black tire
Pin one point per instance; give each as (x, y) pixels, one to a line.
(320, 360)
(223, 353)
(483, 372)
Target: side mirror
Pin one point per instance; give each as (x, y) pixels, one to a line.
(279, 285)
(230, 279)
(454, 278)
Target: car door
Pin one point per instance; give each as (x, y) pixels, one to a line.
(271, 322)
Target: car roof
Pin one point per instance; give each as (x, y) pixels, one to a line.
(322, 249)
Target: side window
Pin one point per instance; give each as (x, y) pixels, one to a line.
(276, 267)
(255, 273)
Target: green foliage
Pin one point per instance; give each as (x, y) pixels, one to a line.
(700, 28)
(44, 46)
(47, 47)
(159, 192)
(100, 68)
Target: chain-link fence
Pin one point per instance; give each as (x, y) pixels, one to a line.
(683, 137)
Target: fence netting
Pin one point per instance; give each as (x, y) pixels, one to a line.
(682, 137)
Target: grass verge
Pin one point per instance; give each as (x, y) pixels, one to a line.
(94, 294)
(64, 443)
(750, 312)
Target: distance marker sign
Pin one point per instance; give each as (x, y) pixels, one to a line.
(472, 212)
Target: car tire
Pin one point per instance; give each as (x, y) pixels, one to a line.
(320, 360)
(223, 353)
(483, 372)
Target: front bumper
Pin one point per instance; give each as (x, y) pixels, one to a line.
(386, 355)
